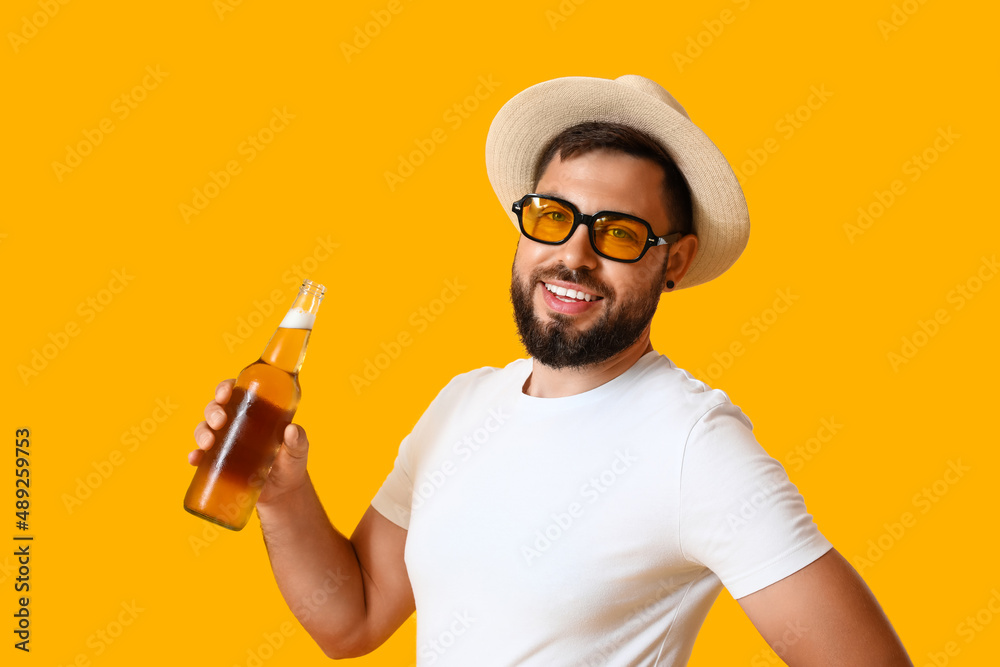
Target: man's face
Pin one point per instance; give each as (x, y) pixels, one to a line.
(565, 332)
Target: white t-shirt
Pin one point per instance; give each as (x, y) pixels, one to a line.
(594, 529)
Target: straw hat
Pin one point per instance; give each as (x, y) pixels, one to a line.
(524, 126)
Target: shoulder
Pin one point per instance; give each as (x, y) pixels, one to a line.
(467, 394)
(490, 374)
(487, 380)
(662, 384)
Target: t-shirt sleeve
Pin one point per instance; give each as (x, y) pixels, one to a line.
(394, 496)
(740, 516)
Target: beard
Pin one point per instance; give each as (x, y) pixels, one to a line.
(557, 343)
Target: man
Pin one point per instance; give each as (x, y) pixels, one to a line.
(583, 506)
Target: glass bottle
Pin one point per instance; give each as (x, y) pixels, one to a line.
(232, 473)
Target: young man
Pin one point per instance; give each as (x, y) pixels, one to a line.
(582, 506)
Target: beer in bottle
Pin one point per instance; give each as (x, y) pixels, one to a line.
(232, 473)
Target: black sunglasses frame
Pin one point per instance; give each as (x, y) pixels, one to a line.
(652, 240)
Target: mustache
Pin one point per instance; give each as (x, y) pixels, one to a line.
(582, 277)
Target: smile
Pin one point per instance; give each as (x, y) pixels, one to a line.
(570, 295)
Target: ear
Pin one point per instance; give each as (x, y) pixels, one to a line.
(681, 256)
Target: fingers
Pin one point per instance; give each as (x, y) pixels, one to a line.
(215, 416)
(224, 391)
(296, 441)
(204, 436)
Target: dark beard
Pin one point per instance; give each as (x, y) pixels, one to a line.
(557, 344)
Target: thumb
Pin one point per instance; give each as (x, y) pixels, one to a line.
(296, 441)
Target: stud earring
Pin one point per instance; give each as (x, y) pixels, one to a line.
(670, 284)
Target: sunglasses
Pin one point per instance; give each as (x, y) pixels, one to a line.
(616, 236)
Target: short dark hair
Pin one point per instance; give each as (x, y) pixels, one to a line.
(598, 135)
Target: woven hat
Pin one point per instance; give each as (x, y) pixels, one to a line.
(524, 126)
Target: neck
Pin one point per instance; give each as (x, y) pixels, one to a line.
(287, 349)
(547, 382)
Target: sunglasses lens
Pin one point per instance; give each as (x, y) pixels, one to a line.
(545, 220)
(620, 238)
(614, 236)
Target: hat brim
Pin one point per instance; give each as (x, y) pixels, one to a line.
(527, 123)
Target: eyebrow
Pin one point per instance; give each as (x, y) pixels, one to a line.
(559, 196)
(552, 194)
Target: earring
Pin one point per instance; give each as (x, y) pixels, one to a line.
(670, 284)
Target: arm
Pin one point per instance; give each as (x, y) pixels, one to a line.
(825, 614)
(350, 595)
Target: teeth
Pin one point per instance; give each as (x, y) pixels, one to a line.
(572, 294)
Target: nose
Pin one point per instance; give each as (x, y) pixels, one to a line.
(577, 252)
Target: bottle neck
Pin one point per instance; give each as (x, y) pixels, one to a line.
(287, 348)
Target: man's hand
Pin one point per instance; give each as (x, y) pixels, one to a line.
(824, 614)
(373, 596)
(289, 470)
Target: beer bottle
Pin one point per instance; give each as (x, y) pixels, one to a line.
(232, 473)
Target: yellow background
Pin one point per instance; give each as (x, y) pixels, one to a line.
(207, 597)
